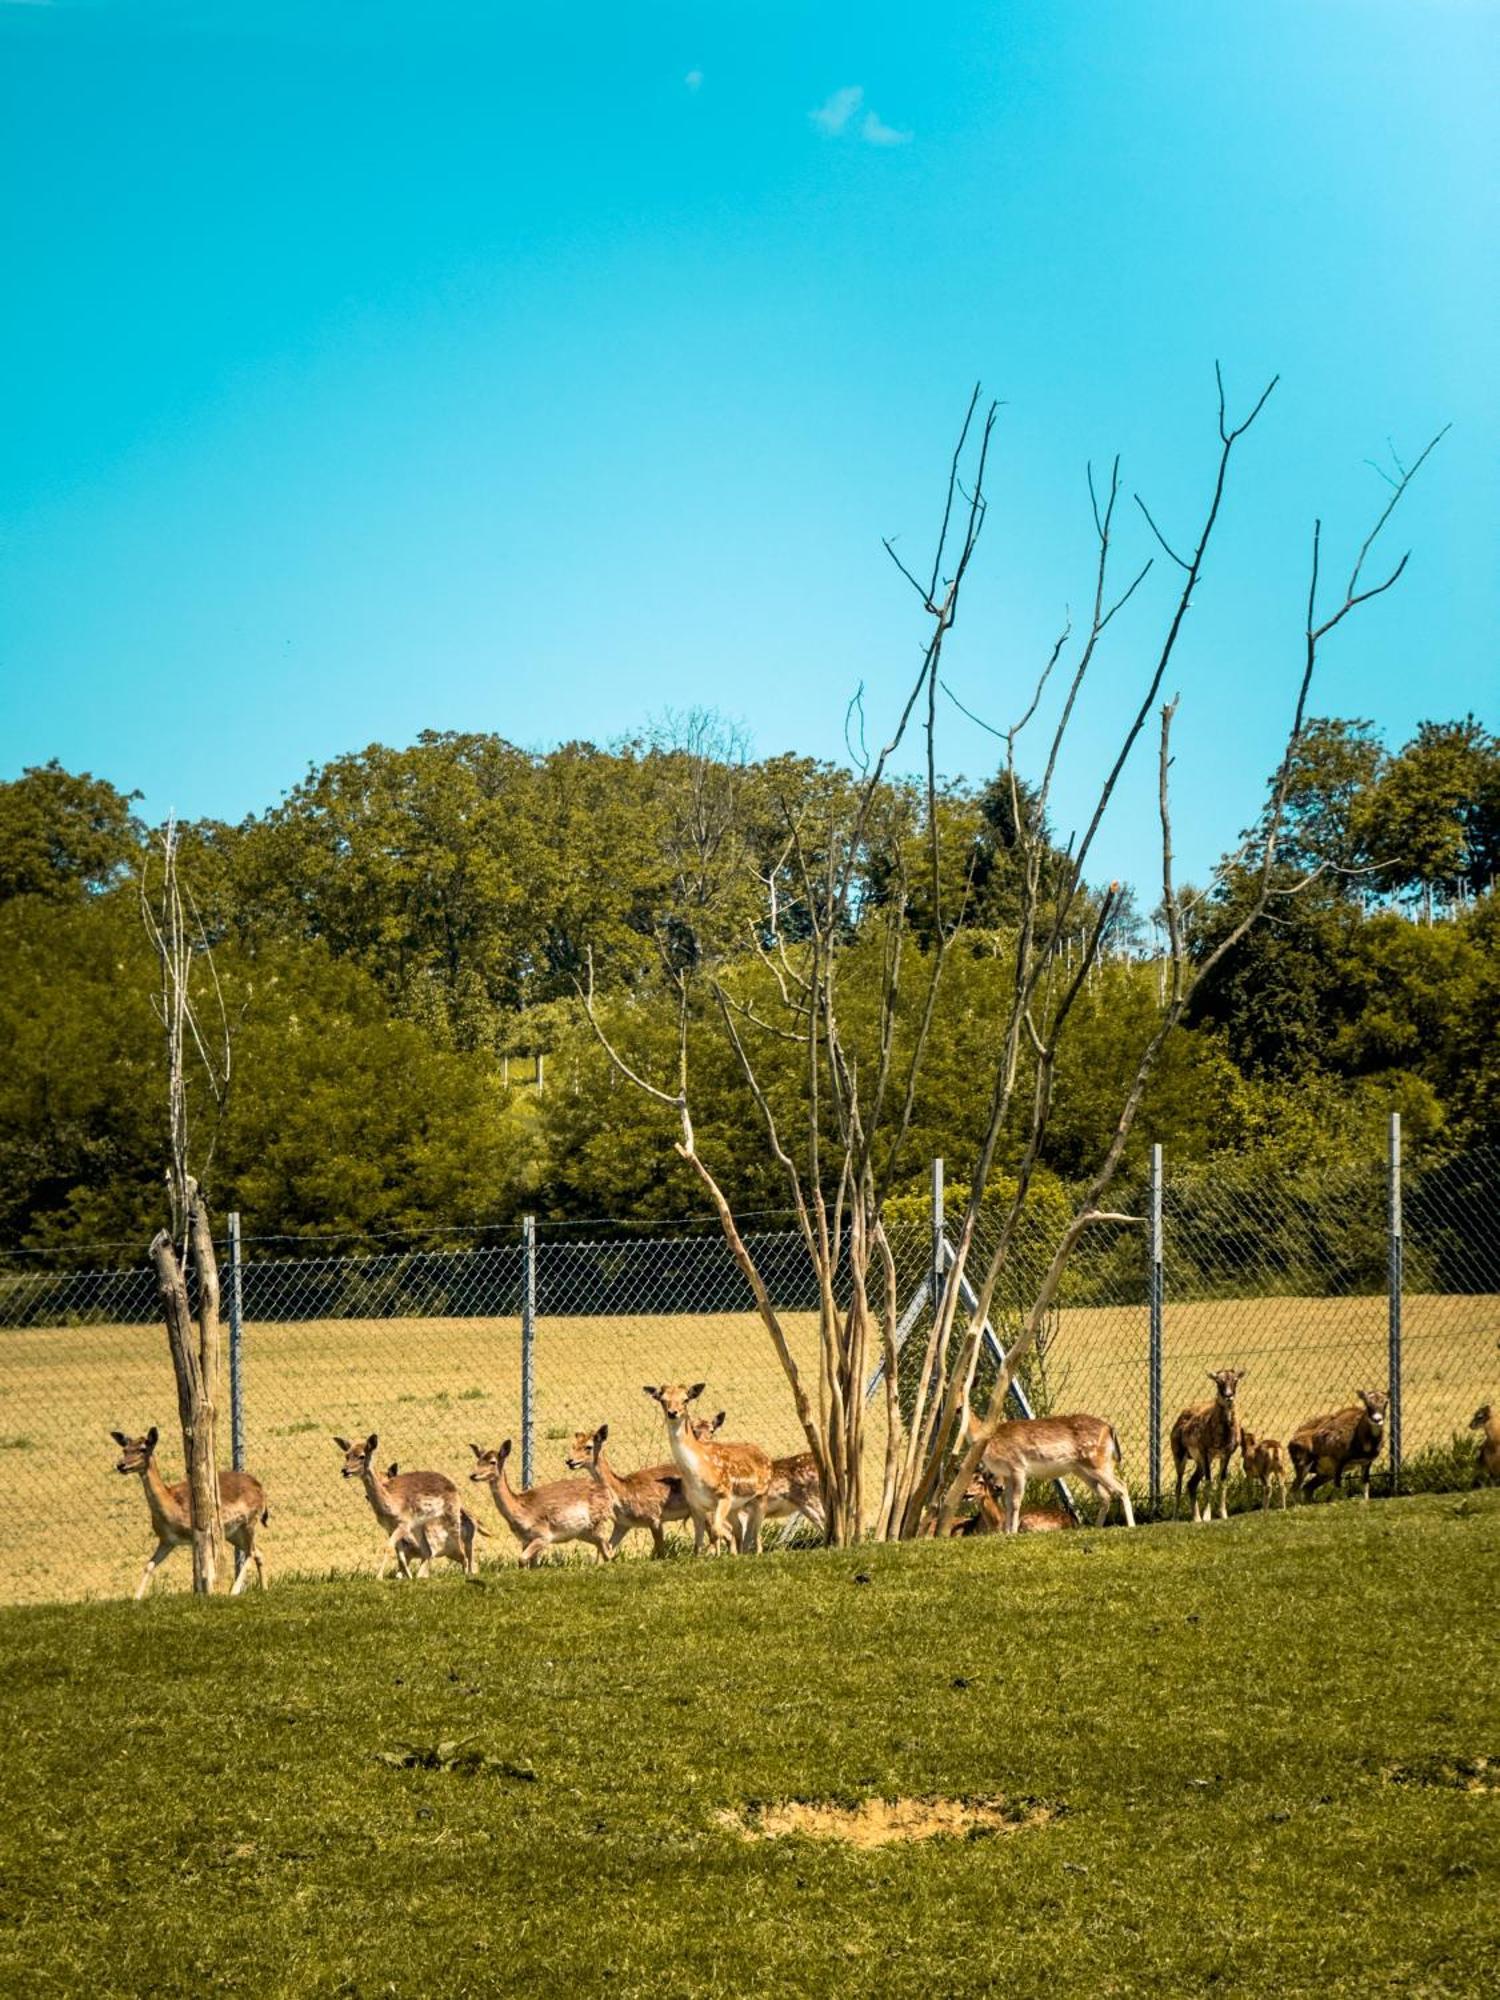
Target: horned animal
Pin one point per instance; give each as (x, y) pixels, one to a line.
(420, 1512)
(1069, 1447)
(1264, 1462)
(1484, 1419)
(1203, 1434)
(547, 1517)
(1324, 1448)
(242, 1509)
(723, 1483)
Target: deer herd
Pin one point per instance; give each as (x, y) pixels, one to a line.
(729, 1492)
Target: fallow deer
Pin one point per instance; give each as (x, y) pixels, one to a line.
(989, 1516)
(1203, 1433)
(1072, 1447)
(242, 1508)
(1265, 1462)
(1326, 1447)
(547, 1517)
(722, 1482)
(420, 1512)
(794, 1493)
(1484, 1419)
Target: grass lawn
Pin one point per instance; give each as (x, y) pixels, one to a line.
(430, 1386)
(1264, 1743)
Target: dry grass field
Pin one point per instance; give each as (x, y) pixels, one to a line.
(71, 1527)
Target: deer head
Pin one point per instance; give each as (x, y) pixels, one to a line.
(135, 1453)
(357, 1457)
(1376, 1403)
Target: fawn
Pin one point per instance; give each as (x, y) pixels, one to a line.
(242, 1507)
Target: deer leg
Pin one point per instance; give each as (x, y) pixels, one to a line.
(260, 1567)
(1015, 1491)
(153, 1562)
(1195, 1480)
(720, 1532)
(754, 1516)
(533, 1552)
(1224, 1488)
(603, 1547)
(244, 1576)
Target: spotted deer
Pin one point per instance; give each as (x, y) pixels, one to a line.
(242, 1508)
(1264, 1462)
(550, 1516)
(1324, 1448)
(1205, 1433)
(1073, 1447)
(793, 1495)
(420, 1513)
(1484, 1419)
(726, 1485)
(989, 1515)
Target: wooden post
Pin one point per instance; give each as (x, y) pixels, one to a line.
(236, 1364)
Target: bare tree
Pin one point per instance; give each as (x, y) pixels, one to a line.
(198, 1059)
(841, 1150)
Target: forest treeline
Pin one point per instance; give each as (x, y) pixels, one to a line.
(407, 932)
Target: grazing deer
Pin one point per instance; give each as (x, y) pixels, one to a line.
(1485, 1420)
(1203, 1433)
(420, 1512)
(547, 1517)
(720, 1481)
(1080, 1447)
(1266, 1462)
(242, 1507)
(1324, 1448)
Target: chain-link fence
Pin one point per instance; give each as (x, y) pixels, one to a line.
(1308, 1283)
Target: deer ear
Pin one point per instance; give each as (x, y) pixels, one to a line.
(504, 1452)
(151, 1437)
(120, 1439)
(654, 1394)
(696, 1391)
(478, 1450)
(371, 1441)
(343, 1444)
(601, 1434)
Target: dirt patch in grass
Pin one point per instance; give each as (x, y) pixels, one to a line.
(879, 1822)
(1454, 1774)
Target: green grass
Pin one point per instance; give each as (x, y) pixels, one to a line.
(1251, 1730)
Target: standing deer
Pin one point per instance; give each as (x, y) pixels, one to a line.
(1325, 1447)
(1080, 1447)
(1203, 1433)
(547, 1517)
(721, 1481)
(793, 1495)
(1264, 1461)
(242, 1505)
(420, 1512)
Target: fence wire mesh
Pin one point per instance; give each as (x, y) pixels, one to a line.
(1280, 1275)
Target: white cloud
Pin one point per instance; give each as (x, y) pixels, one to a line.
(840, 108)
(694, 79)
(875, 132)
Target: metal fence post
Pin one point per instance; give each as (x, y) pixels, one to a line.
(1396, 1263)
(1156, 1294)
(236, 1363)
(939, 1227)
(528, 1346)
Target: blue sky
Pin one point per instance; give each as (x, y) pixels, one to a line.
(377, 367)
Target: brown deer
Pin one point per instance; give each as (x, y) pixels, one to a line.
(720, 1481)
(1324, 1448)
(420, 1512)
(1203, 1433)
(547, 1517)
(989, 1515)
(1485, 1420)
(1075, 1447)
(794, 1493)
(242, 1507)
(1264, 1462)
